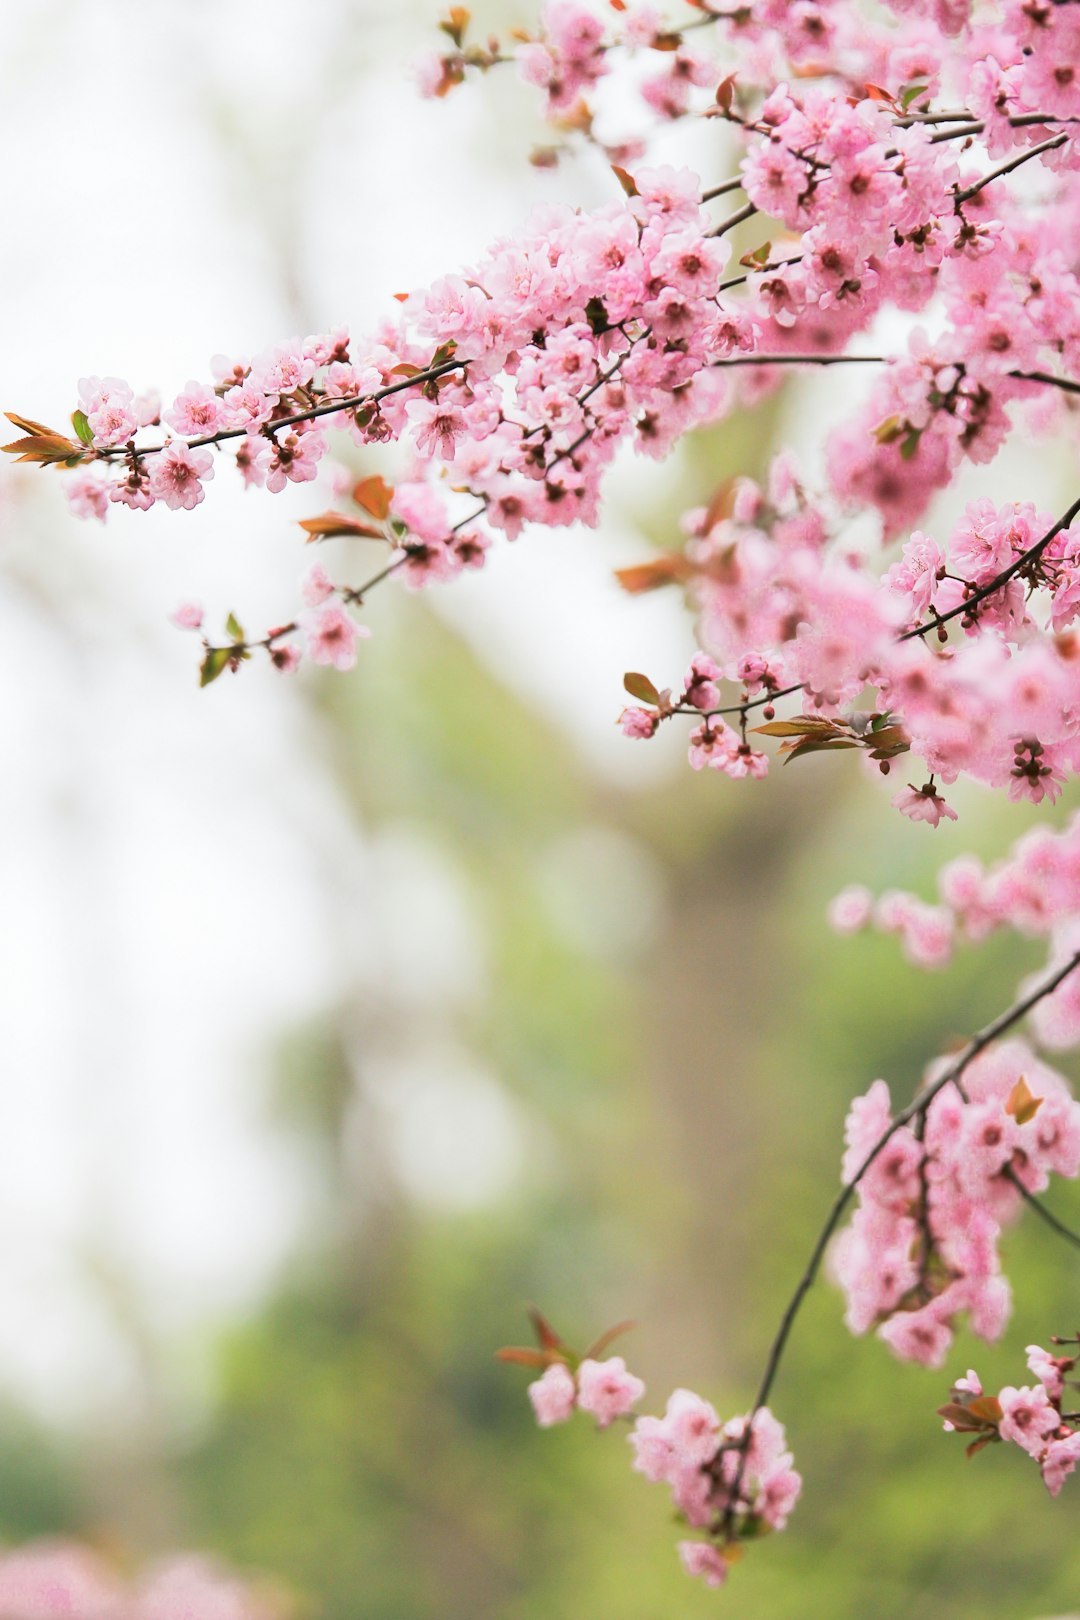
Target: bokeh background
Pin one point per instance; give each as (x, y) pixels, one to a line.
(341, 1017)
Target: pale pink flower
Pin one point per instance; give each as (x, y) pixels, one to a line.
(923, 804)
(188, 616)
(702, 1559)
(55, 1580)
(316, 585)
(286, 657)
(87, 495)
(639, 723)
(177, 475)
(553, 1395)
(196, 412)
(851, 909)
(607, 1390)
(1047, 1369)
(332, 635)
(1028, 1417)
(1059, 1461)
(438, 426)
(109, 406)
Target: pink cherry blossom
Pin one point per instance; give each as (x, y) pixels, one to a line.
(177, 476)
(196, 412)
(553, 1395)
(1028, 1418)
(332, 634)
(607, 1390)
(702, 1559)
(188, 616)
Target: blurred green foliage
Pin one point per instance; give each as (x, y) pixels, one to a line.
(688, 1112)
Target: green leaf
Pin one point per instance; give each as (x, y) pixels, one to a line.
(912, 94)
(893, 738)
(961, 1419)
(759, 256)
(811, 745)
(82, 426)
(217, 659)
(805, 726)
(910, 445)
(890, 430)
(235, 628)
(640, 687)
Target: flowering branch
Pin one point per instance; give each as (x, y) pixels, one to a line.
(915, 1109)
(332, 407)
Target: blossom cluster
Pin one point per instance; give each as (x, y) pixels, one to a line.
(934, 1196)
(511, 385)
(603, 1388)
(59, 1580)
(1030, 1417)
(782, 612)
(1033, 890)
(729, 1481)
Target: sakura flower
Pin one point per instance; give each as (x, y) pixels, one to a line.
(702, 1559)
(316, 585)
(332, 635)
(553, 1395)
(1059, 1460)
(109, 406)
(1028, 1417)
(607, 1390)
(1048, 1370)
(438, 426)
(923, 804)
(700, 689)
(295, 456)
(285, 656)
(639, 723)
(177, 475)
(851, 909)
(88, 495)
(196, 412)
(188, 616)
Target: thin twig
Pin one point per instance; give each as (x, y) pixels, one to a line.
(329, 408)
(1041, 1210)
(1007, 168)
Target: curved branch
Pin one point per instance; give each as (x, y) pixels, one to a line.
(918, 1106)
